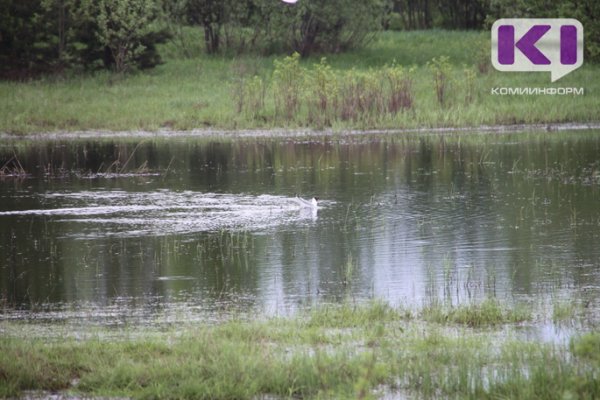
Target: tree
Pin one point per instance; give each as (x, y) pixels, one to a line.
(122, 26)
(41, 36)
(18, 34)
(268, 26)
(462, 14)
(319, 26)
(414, 14)
(210, 14)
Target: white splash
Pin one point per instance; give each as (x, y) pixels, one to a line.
(108, 213)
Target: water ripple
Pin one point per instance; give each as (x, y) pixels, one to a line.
(120, 213)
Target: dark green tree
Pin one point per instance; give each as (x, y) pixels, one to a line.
(211, 15)
(40, 36)
(412, 14)
(123, 25)
(462, 14)
(319, 26)
(19, 36)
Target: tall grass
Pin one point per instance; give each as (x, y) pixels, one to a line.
(318, 95)
(487, 313)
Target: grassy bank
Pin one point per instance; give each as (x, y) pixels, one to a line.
(331, 352)
(392, 83)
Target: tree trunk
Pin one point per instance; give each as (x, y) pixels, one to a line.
(211, 39)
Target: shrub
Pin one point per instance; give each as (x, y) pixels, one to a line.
(122, 25)
(401, 96)
(322, 96)
(256, 96)
(288, 81)
(440, 68)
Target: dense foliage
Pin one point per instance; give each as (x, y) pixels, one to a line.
(267, 26)
(52, 35)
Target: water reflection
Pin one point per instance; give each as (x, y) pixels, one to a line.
(194, 227)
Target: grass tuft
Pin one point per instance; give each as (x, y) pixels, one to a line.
(348, 315)
(587, 346)
(487, 313)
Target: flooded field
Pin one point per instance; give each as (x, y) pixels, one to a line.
(148, 230)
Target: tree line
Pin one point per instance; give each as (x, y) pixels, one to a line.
(52, 35)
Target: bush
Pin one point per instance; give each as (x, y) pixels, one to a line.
(401, 96)
(39, 36)
(123, 25)
(361, 96)
(440, 68)
(288, 80)
(322, 94)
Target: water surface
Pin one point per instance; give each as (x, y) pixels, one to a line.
(143, 230)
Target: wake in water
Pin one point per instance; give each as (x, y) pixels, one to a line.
(120, 213)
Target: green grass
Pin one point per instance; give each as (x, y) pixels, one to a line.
(347, 351)
(487, 313)
(199, 92)
(564, 310)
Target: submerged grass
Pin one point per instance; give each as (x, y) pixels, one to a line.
(347, 351)
(487, 313)
(385, 85)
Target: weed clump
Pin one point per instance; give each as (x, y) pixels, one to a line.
(288, 81)
(323, 91)
(440, 68)
(324, 96)
(348, 315)
(487, 313)
(12, 168)
(587, 346)
(401, 95)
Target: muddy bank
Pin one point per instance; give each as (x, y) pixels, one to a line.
(294, 133)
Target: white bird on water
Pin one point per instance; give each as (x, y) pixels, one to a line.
(307, 203)
(290, 1)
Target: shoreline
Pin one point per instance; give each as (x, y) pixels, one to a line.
(281, 133)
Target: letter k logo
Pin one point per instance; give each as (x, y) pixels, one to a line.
(506, 44)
